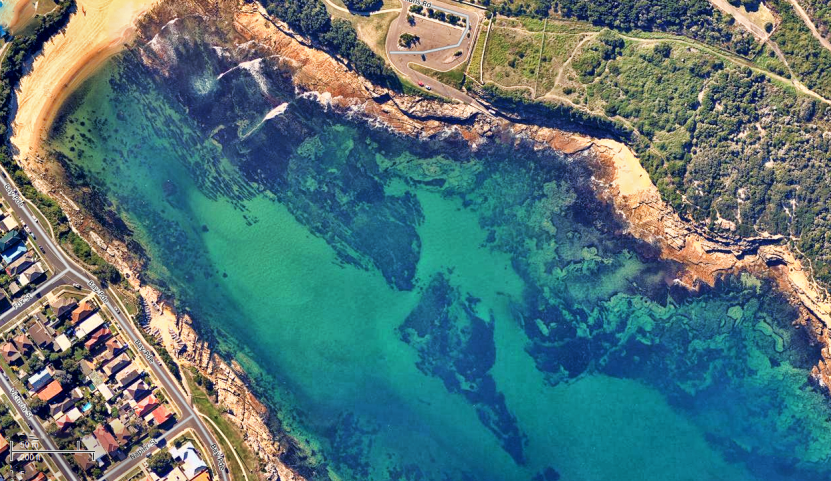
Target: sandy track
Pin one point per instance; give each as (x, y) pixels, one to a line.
(99, 29)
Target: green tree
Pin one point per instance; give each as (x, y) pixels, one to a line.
(161, 463)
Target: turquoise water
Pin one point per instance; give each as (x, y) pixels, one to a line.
(414, 311)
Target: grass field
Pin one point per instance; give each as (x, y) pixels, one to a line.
(511, 57)
(473, 69)
(371, 29)
(208, 408)
(454, 77)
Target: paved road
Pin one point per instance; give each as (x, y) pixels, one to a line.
(68, 272)
(129, 464)
(34, 424)
(402, 62)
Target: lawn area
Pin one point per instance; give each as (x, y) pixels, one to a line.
(371, 29)
(511, 57)
(454, 77)
(473, 70)
(208, 408)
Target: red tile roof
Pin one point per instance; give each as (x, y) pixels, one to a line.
(82, 312)
(161, 415)
(10, 352)
(4, 445)
(50, 391)
(105, 439)
(102, 333)
(63, 422)
(146, 405)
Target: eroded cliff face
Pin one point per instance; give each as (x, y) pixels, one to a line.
(315, 75)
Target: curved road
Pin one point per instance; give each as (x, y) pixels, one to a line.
(401, 62)
(68, 272)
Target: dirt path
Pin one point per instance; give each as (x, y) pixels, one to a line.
(97, 30)
(346, 10)
(577, 47)
(743, 18)
(810, 24)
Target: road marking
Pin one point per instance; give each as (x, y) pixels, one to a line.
(461, 39)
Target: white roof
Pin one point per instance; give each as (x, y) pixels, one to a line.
(90, 324)
(191, 463)
(106, 392)
(9, 223)
(63, 342)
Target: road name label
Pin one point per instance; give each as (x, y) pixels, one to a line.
(99, 292)
(23, 300)
(148, 355)
(420, 2)
(143, 449)
(220, 458)
(14, 194)
(21, 403)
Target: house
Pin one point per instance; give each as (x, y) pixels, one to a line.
(17, 267)
(24, 345)
(10, 353)
(32, 274)
(14, 252)
(89, 325)
(105, 391)
(61, 305)
(105, 439)
(127, 376)
(176, 475)
(9, 239)
(121, 432)
(40, 477)
(9, 224)
(192, 464)
(116, 364)
(67, 404)
(92, 444)
(203, 476)
(86, 367)
(96, 378)
(4, 445)
(114, 346)
(137, 391)
(159, 416)
(65, 419)
(83, 461)
(82, 312)
(99, 335)
(38, 380)
(146, 405)
(40, 335)
(62, 343)
(50, 391)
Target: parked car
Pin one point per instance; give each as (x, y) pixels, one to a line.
(420, 83)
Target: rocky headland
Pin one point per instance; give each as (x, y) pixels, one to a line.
(620, 180)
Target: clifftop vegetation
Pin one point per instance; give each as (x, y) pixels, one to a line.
(309, 17)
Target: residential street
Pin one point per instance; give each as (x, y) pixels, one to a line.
(68, 273)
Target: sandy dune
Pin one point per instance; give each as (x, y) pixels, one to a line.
(96, 31)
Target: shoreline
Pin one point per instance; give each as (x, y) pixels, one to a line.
(97, 30)
(23, 7)
(622, 182)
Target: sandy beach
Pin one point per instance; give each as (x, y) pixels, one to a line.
(99, 29)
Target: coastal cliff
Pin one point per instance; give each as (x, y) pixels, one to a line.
(620, 180)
